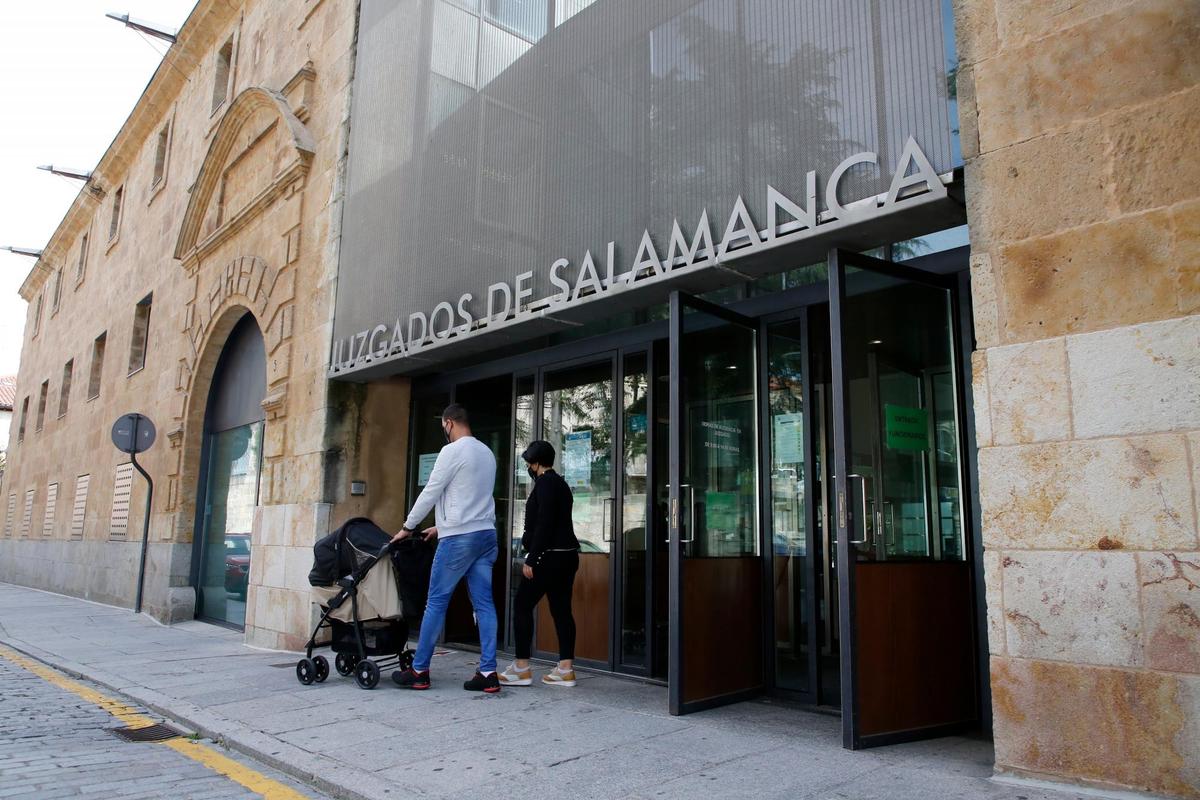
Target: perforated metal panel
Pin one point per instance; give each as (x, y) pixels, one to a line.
(118, 525)
(79, 508)
(487, 142)
(10, 514)
(51, 509)
(27, 517)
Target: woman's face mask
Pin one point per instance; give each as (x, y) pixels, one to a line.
(532, 472)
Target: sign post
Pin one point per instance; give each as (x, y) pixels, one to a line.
(133, 434)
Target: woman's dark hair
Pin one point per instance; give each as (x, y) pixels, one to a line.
(539, 452)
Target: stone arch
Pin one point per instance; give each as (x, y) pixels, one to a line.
(259, 150)
(188, 435)
(246, 284)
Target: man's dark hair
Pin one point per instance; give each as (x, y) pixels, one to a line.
(539, 452)
(456, 413)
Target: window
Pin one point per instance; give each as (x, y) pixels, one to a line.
(51, 510)
(41, 414)
(221, 78)
(37, 314)
(27, 517)
(160, 154)
(24, 419)
(83, 252)
(141, 334)
(79, 509)
(97, 365)
(57, 294)
(114, 224)
(8, 516)
(118, 523)
(64, 391)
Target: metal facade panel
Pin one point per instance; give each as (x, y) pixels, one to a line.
(118, 524)
(79, 508)
(480, 155)
(51, 510)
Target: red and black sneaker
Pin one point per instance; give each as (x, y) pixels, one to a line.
(411, 679)
(481, 683)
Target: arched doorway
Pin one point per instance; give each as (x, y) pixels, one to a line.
(231, 462)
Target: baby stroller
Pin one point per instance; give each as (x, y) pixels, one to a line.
(369, 590)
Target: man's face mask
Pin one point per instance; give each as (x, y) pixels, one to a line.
(446, 431)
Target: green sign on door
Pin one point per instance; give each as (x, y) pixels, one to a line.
(906, 428)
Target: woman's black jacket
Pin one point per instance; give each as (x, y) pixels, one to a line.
(548, 523)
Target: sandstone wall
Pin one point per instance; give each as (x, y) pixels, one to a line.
(245, 219)
(1081, 129)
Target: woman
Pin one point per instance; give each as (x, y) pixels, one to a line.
(551, 560)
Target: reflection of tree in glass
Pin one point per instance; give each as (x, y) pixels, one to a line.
(584, 407)
(713, 61)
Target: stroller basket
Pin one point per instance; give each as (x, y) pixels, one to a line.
(368, 589)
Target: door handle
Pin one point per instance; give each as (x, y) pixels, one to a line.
(691, 514)
(606, 530)
(863, 498)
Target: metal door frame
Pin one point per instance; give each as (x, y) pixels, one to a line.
(851, 739)
(676, 669)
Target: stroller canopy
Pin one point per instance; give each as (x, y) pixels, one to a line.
(398, 584)
(345, 550)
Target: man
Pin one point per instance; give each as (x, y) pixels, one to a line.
(460, 492)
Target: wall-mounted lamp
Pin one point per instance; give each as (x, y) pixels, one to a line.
(23, 251)
(165, 34)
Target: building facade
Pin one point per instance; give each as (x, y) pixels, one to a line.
(191, 281)
(867, 334)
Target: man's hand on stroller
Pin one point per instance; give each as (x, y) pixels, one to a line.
(429, 534)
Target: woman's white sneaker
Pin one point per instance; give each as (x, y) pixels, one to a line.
(556, 678)
(516, 677)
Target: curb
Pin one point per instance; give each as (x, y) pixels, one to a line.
(310, 768)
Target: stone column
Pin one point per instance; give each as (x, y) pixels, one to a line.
(1081, 130)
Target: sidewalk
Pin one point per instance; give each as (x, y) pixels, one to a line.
(607, 738)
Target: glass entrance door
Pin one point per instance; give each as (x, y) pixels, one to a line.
(905, 594)
(230, 497)
(715, 562)
(578, 420)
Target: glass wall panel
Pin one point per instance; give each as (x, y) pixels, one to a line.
(526, 18)
(577, 421)
(634, 506)
(789, 504)
(234, 461)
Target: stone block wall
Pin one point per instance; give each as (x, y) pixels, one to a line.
(1081, 129)
(242, 220)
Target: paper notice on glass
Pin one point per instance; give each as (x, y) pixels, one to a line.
(789, 438)
(577, 459)
(425, 463)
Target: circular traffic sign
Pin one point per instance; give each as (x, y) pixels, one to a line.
(133, 433)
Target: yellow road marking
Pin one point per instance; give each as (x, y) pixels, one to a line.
(209, 757)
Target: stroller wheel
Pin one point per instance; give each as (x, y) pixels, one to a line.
(344, 663)
(366, 674)
(322, 667)
(306, 671)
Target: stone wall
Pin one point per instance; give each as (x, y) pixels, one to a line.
(243, 219)
(1081, 128)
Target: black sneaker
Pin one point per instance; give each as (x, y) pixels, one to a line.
(411, 679)
(489, 684)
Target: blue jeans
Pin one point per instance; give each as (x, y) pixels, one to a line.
(472, 555)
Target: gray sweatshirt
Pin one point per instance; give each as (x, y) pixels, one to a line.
(459, 490)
